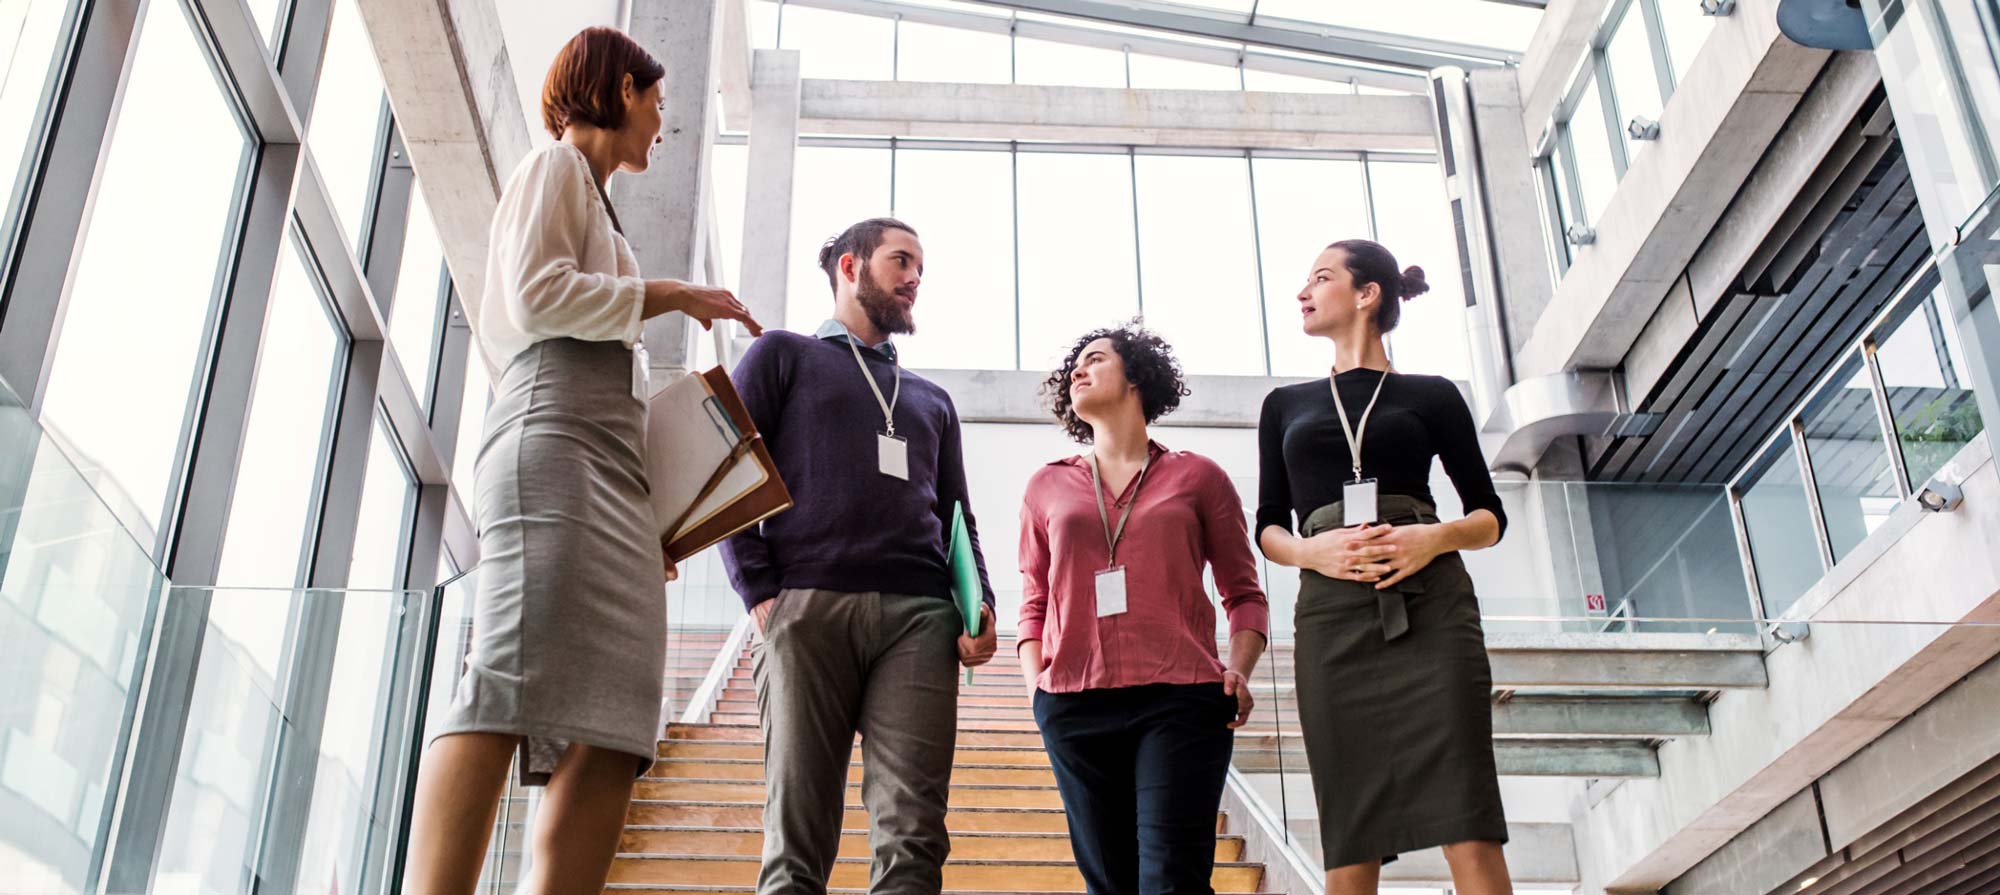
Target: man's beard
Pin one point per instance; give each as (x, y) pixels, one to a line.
(883, 308)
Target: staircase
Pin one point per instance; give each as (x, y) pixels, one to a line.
(697, 818)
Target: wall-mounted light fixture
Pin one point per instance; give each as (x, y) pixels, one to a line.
(1717, 7)
(1642, 128)
(1579, 235)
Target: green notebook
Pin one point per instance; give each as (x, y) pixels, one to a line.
(964, 575)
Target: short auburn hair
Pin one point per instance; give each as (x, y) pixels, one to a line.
(583, 83)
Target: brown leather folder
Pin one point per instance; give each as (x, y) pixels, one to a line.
(703, 419)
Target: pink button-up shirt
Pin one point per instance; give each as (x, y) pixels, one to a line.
(1187, 514)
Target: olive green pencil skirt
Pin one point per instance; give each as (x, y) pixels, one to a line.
(1395, 702)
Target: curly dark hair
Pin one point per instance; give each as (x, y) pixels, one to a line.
(1149, 364)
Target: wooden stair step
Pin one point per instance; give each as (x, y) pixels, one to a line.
(749, 842)
(1020, 712)
(958, 819)
(1026, 723)
(753, 769)
(989, 875)
(1011, 698)
(967, 756)
(971, 795)
(742, 732)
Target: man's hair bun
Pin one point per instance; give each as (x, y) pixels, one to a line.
(1413, 282)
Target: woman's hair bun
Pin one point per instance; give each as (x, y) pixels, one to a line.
(1414, 283)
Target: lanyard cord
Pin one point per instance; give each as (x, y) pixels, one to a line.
(1354, 434)
(888, 406)
(1111, 537)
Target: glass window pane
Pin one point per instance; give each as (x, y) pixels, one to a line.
(342, 813)
(728, 168)
(1951, 163)
(763, 24)
(1303, 205)
(386, 490)
(1503, 25)
(471, 432)
(1591, 142)
(132, 343)
(30, 33)
(233, 726)
(1779, 522)
(1079, 270)
(1163, 73)
(416, 310)
(839, 44)
(277, 477)
(1198, 265)
(1634, 82)
(1413, 218)
(1552, 198)
(1066, 65)
(837, 187)
(266, 12)
(962, 204)
(345, 133)
(952, 55)
(1930, 398)
(1857, 489)
(1686, 29)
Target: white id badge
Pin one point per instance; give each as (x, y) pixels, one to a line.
(1111, 592)
(642, 387)
(893, 456)
(1357, 502)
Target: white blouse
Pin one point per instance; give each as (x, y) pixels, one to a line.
(555, 267)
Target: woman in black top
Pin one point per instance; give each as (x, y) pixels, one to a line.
(1394, 689)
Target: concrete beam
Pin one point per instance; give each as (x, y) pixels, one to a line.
(1626, 661)
(1582, 759)
(1012, 396)
(1537, 854)
(1382, 48)
(1604, 718)
(1520, 252)
(665, 210)
(1208, 118)
(1829, 696)
(451, 84)
(1071, 32)
(1559, 45)
(1717, 127)
(733, 65)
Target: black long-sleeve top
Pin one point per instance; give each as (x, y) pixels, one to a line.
(1303, 457)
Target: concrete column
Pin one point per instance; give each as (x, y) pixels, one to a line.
(767, 199)
(664, 209)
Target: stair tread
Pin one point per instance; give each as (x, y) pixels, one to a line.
(979, 862)
(971, 834)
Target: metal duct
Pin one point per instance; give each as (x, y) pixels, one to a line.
(1535, 412)
(1465, 185)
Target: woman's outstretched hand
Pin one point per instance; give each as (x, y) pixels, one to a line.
(706, 304)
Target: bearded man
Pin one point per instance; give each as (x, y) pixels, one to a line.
(850, 589)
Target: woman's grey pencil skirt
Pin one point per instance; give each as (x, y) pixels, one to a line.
(569, 630)
(1395, 701)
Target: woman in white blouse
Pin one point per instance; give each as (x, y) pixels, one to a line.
(569, 621)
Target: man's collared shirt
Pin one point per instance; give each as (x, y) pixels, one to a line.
(837, 331)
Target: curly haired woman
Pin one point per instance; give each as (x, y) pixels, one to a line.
(1117, 635)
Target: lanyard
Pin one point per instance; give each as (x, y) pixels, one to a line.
(1354, 434)
(888, 406)
(1111, 537)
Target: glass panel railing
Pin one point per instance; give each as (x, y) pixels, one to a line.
(300, 707)
(77, 598)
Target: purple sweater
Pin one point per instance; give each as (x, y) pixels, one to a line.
(850, 527)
